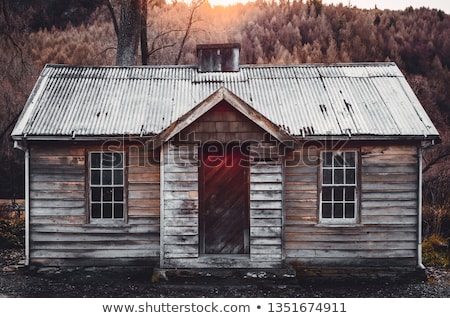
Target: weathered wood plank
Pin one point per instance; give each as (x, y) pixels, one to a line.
(265, 231)
(100, 245)
(349, 245)
(49, 211)
(181, 249)
(388, 204)
(222, 262)
(267, 187)
(56, 186)
(58, 219)
(362, 236)
(267, 195)
(180, 213)
(180, 195)
(93, 254)
(51, 203)
(56, 195)
(35, 177)
(265, 222)
(181, 205)
(265, 178)
(268, 250)
(186, 176)
(349, 254)
(266, 205)
(185, 221)
(181, 239)
(147, 194)
(260, 241)
(181, 230)
(93, 229)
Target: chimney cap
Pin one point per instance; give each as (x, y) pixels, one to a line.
(218, 46)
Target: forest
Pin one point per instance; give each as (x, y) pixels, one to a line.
(84, 32)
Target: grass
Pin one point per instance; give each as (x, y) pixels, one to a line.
(435, 251)
(12, 233)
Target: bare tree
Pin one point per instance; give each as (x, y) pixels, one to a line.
(195, 5)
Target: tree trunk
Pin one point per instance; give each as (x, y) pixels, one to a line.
(144, 46)
(129, 31)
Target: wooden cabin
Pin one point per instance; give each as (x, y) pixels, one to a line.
(223, 165)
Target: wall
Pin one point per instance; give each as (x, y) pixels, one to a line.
(59, 231)
(387, 232)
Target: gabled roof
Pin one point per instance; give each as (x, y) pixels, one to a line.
(223, 94)
(359, 100)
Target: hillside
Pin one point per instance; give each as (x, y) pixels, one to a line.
(77, 32)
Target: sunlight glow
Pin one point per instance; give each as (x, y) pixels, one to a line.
(225, 3)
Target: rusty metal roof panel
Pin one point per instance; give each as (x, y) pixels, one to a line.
(322, 100)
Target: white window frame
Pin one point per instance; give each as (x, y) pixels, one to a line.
(336, 185)
(101, 169)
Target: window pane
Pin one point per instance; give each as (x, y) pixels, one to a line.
(338, 210)
(95, 160)
(350, 159)
(327, 159)
(349, 210)
(118, 176)
(108, 160)
(118, 160)
(338, 161)
(349, 194)
(95, 177)
(107, 210)
(96, 210)
(338, 194)
(107, 194)
(96, 194)
(118, 194)
(118, 210)
(350, 176)
(326, 210)
(327, 176)
(338, 176)
(107, 177)
(327, 194)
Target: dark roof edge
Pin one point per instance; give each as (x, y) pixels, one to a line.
(309, 137)
(194, 66)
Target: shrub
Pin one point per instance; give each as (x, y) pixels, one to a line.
(12, 233)
(435, 252)
(436, 220)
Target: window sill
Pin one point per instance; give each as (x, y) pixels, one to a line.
(106, 225)
(339, 225)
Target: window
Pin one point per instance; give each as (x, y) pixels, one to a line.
(106, 186)
(339, 187)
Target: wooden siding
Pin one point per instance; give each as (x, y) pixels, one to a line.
(59, 231)
(179, 217)
(266, 213)
(386, 233)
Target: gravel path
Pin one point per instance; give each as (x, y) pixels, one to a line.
(90, 283)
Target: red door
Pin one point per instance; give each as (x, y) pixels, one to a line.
(224, 200)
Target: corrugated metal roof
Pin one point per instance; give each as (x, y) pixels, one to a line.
(323, 100)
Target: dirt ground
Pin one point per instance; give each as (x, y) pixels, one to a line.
(92, 283)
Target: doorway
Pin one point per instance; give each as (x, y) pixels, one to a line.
(224, 199)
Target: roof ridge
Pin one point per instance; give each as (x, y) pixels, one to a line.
(194, 66)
